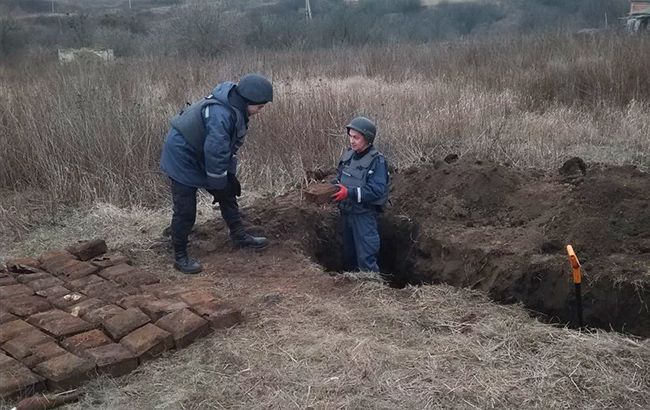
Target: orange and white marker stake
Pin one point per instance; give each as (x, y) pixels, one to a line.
(577, 280)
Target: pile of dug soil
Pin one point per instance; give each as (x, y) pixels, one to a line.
(504, 231)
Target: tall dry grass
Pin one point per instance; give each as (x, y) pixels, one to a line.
(85, 132)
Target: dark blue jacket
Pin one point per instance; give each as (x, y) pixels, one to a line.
(371, 193)
(226, 128)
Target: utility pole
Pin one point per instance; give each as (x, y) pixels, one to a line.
(308, 9)
(52, 6)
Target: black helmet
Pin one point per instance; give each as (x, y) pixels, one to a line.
(365, 127)
(255, 89)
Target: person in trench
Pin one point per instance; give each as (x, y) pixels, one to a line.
(200, 151)
(362, 179)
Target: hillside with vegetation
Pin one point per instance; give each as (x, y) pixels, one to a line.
(207, 28)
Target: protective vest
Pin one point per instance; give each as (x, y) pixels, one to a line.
(189, 122)
(354, 172)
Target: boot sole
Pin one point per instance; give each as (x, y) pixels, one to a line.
(236, 246)
(188, 272)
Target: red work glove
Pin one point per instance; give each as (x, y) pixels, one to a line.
(341, 194)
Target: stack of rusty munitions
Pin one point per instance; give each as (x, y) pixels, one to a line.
(75, 313)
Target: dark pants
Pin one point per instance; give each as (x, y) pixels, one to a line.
(184, 198)
(360, 241)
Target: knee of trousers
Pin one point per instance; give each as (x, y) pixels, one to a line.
(185, 206)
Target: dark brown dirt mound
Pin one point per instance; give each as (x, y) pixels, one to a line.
(609, 212)
(503, 230)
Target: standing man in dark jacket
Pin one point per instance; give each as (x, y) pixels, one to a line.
(200, 151)
(363, 191)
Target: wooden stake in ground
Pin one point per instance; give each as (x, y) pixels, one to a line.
(577, 280)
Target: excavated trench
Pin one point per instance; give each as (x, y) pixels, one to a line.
(397, 255)
(503, 230)
(542, 283)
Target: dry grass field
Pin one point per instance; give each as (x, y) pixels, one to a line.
(78, 133)
(311, 341)
(79, 151)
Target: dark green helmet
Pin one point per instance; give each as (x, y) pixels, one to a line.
(365, 127)
(255, 89)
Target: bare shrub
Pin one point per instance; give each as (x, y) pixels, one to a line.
(206, 28)
(81, 30)
(122, 42)
(11, 35)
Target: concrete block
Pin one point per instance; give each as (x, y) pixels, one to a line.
(43, 352)
(53, 257)
(56, 266)
(55, 260)
(17, 379)
(99, 289)
(14, 265)
(65, 372)
(109, 259)
(135, 300)
(53, 292)
(23, 305)
(85, 306)
(10, 291)
(5, 316)
(77, 344)
(114, 296)
(67, 300)
(11, 329)
(137, 278)
(124, 323)
(59, 324)
(79, 284)
(85, 250)
(6, 361)
(32, 276)
(116, 271)
(16, 270)
(148, 341)
(7, 280)
(184, 326)
(25, 343)
(112, 359)
(156, 309)
(97, 316)
(77, 270)
(44, 283)
(220, 315)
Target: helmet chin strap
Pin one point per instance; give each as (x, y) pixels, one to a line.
(365, 147)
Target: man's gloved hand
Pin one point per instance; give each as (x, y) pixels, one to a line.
(218, 194)
(235, 186)
(341, 194)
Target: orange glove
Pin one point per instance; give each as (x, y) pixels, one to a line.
(341, 194)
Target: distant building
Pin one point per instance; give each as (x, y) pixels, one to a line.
(68, 55)
(639, 16)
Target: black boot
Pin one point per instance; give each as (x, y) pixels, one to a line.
(183, 263)
(241, 239)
